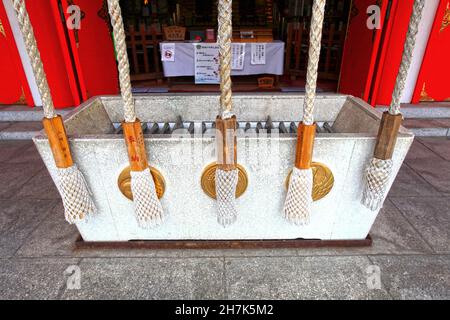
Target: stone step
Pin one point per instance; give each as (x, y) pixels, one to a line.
(20, 113)
(19, 130)
(439, 127)
(423, 110)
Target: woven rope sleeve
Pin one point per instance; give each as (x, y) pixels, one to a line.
(76, 197)
(226, 196)
(313, 60)
(122, 59)
(378, 175)
(379, 171)
(148, 209)
(224, 40)
(35, 58)
(407, 56)
(299, 200)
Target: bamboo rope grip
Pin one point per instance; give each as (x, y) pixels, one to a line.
(227, 143)
(59, 142)
(387, 135)
(135, 145)
(305, 145)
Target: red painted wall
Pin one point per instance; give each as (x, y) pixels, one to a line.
(13, 83)
(93, 49)
(391, 55)
(48, 28)
(432, 83)
(360, 50)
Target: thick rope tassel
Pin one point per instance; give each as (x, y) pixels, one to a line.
(378, 175)
(76, 197)
(299, 200)
(147, 207)
(227, 172)
(148, 210)
(75, 194)
(226, 183)
(379, 172)
(297, 207)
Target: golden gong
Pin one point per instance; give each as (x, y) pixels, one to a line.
(323, 180)
(124, 182)
(208, 181)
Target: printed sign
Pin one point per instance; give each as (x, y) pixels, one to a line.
(258, 53)
(238, 54)
(207, 63)
(168, 52)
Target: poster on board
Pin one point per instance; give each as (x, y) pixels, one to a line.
(207, 63)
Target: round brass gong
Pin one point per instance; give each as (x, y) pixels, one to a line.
(124, 182)
(209, 181)
(323, 180)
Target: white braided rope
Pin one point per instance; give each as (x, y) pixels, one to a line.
(225, 31)
(226, 183)
(148, 210)
(378, 173)
(315, 38)
(298, 203)
(72, 186)
(147, 207)
(35, 57)
(407, 56)
(122, 59)
(76, 197)
(299, 200)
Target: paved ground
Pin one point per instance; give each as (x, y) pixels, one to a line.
(410, 255)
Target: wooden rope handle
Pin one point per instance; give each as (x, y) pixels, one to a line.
(134, 138)
(59, 142)
(226, 143)
(305, 146)
(387, 135)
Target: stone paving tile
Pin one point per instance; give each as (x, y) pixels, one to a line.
(420, 151)
(18, 219)
(9, 149)
(409, 183)
(430, 217)
(53, 237)
(391, 234)
(422, 123)
(4, 125)
(27, 155)
(415, 277)
(33, 279)
(21, 126)
(300, 278)
(434, 171)
(440, 145)
(14, 176)
(41, 186)
(150, 278)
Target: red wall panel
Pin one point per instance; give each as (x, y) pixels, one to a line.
(47, 25)
(391, 54)
(432, 83)
(13, 83)
(360, 50)
(93, 49)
